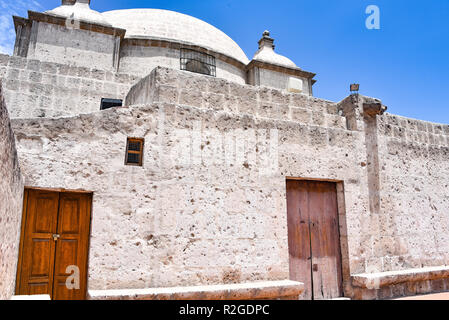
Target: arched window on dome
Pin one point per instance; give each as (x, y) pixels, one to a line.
(198, 62)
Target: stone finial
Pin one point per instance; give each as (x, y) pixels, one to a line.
(266, 40)
(72, 2)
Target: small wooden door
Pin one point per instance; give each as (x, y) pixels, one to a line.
(55, 235)
(313, 238)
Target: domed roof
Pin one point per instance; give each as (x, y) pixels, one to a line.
(79, 10)
(272, 57)
(266, 53)
(170, 25)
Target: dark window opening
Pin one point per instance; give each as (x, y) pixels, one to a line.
(110, 103)
(198, 62)
(134, 152)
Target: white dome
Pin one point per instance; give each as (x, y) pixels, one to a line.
(268, 55)
(170, 25)
(80, 11)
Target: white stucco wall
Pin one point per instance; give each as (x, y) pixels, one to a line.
(76, 47)
(142, 60)
(278, 80)
(412, 229)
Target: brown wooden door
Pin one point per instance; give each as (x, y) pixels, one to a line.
(55, 236)
(313, 235)
(38, 253)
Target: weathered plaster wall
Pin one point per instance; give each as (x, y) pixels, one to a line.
(141, 60)
(71, 46)
(33, 88)
(11, 193)
(199, 211)
(230, 72)
(208, 205)
(277, 80)
(413, 226)
(408, 224)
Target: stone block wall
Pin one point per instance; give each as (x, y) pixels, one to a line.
(33, 88)
(413, 228)
(11, 201)
(209, 204)
(185, 88)
(409, 233)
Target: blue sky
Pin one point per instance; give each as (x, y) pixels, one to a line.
(405, 63)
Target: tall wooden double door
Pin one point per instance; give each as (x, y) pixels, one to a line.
(313, 238)
(54, 244)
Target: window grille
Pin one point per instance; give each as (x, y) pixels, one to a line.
(198, 62)
(134, 152)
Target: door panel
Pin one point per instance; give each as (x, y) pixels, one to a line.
(70, 215)
(332, 256)
(319, 199)
(71, 248)
(38, 288)
(66, 252)
(316, 207)
(41, 258)
(45, 258)
(38, 245)
(299, 236)
(61, 293)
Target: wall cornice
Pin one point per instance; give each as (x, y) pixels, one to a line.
(61, 21)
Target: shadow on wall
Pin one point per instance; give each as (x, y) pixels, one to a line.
(11, 196)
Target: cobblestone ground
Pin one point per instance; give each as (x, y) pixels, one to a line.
(438, 296)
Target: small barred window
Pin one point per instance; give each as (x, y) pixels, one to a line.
(198, 62)
(110, 103)
(134, 152)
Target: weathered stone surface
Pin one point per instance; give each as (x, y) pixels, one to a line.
(245, 291)
(382, 279)
(208, 206)
(11, 191)
(33, 88)
(199, 211)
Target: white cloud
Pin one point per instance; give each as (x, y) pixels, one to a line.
(8, 9)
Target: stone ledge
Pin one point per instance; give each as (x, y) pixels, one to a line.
(243, 291)
(383, 279)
